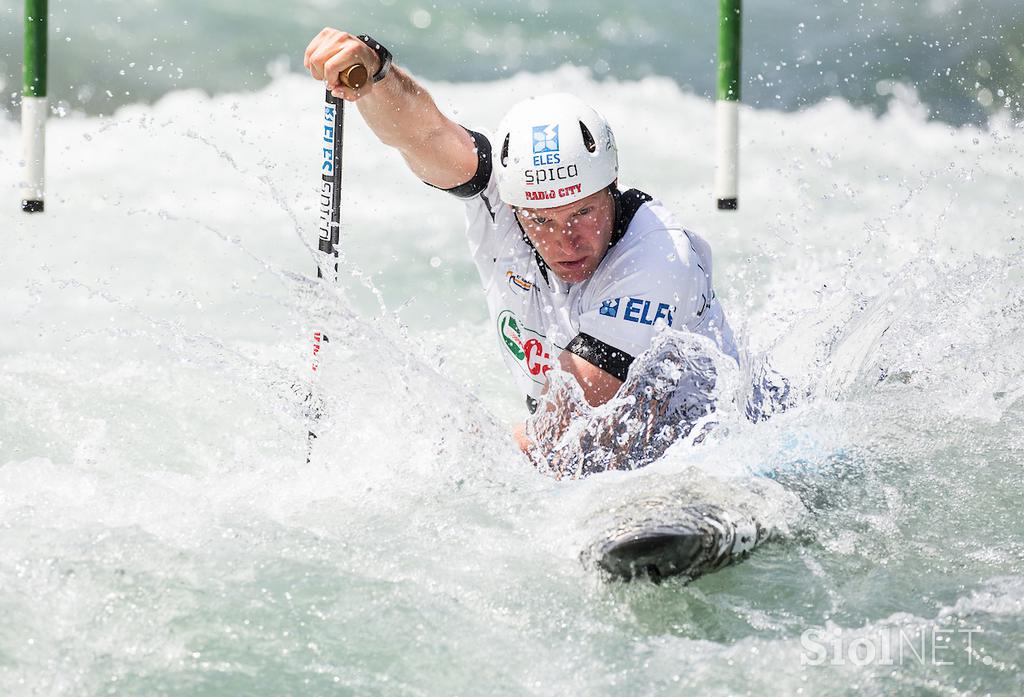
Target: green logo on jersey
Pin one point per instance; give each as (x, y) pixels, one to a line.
(526, 345)
(508, 328)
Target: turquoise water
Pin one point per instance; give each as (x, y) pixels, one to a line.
(957, 54)
(162, 533)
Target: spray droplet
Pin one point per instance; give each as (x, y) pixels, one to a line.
(420, 18)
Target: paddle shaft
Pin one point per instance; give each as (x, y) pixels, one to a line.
(332, 135)
(332, 132)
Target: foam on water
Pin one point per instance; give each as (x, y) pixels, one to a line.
(160, 529)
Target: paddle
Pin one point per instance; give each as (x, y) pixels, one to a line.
(332, 142)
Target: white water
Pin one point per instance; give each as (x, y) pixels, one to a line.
(160, 530)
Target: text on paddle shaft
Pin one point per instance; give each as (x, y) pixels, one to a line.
(326, 195)
(327, 147)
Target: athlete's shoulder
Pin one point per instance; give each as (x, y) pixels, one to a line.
(653, 215)
(654, 243)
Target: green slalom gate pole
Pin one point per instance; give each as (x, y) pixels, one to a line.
(34, 106)
(730, 22)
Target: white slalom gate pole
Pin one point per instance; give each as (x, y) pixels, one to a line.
(34, 106)
(730, 21)
(332, 142)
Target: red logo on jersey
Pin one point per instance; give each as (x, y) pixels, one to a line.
(538, 361)
(526, 345)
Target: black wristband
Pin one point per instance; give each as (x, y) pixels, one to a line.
(605, 356)
(382, 53)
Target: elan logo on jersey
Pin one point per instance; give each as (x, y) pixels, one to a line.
(638, 310)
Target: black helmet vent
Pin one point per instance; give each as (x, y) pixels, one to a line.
(588, 138)
(504, 151)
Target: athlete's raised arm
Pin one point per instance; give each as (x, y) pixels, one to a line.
(397, 109)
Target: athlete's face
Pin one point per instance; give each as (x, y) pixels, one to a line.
(572, 239)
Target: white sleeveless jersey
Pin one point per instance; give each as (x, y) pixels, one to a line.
(656, 275)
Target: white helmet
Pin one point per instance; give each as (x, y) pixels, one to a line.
(554, 150)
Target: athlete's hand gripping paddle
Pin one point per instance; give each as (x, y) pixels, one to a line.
(354, 76)
(332, 142)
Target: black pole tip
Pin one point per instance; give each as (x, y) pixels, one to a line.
(728, 204)
(32, 206)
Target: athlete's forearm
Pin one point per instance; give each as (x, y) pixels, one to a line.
(400, 112)
(403, 115)
(522, 440)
